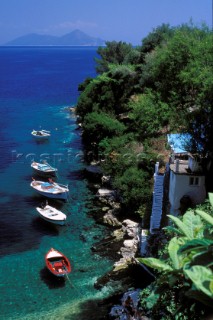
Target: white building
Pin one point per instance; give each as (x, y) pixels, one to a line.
(186, 179)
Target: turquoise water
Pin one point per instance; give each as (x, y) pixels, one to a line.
(37, 85)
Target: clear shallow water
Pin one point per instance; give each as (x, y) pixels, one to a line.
(36, 85)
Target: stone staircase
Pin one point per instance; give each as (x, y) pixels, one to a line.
(157, 202)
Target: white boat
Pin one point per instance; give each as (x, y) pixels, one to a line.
(52, 215)
(51, 189)
(41, 134)
(43, 169)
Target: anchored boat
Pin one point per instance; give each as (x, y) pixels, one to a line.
(43, 169)
(40, 134)
(57, 263)
(52, 215)
(51, 189)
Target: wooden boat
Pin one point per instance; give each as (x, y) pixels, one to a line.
(57, 263)
(51, 189)
(40, 134)
(52, 215)
(43, 169)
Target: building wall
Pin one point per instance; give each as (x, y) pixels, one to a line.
(181, 184)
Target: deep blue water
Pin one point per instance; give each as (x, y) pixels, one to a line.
(36, 86)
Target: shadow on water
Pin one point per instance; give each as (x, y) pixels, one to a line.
(38, 177)
(76, 175)
(44, 227)
(95, 309)
(38, 200)
(137, 277)
(39, 142)
(20, 222)
(50, 280)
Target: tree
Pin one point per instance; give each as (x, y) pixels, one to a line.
(155, 38)
(134, 186)
(99, 125)
(149, 115)
(113, 53)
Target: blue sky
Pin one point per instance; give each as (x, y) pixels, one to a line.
(120, 20)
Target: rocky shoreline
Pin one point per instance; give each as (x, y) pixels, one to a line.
(122, 246)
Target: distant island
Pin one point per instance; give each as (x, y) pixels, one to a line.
(74, 38)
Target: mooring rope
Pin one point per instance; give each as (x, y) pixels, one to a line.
(74, 287)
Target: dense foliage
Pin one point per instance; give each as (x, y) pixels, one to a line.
(141, 94)
(184, 286)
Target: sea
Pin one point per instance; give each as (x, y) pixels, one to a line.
(38, 85)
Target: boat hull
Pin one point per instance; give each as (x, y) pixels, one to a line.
(40, 134)
(45, 173)
(58, 222)
(62, 196)
(43, 169)
(52, 215)
(51, 190)
(57, 263)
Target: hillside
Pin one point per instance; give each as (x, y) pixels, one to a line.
(74, 38)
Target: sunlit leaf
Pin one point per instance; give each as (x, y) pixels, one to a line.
(183, 228)
(173, 250)
(155, 264)
(205, 216)
(202, 278)
(211, 198)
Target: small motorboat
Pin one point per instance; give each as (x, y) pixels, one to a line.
(57, 263)
(51, 189)
(52, 215)
(40, 134)
(43, 169)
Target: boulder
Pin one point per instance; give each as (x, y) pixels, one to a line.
(131, 244)
(102, 192)
(131, 228)
(110, 219)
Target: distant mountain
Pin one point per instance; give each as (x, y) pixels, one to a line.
(74, 38)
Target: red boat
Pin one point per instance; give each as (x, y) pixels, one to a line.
(57, 263)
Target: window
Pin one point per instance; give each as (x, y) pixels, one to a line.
(194, 181)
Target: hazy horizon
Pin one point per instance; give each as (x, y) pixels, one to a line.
(119, 20)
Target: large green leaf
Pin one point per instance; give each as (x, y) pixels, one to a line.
(202, 279)
(182, 226)
(173, 252)
(205, 216)
(155, 264)
(193, 223)
(173, 229)
(195, 244)
(211, 198)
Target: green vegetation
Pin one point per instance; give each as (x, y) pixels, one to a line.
(184, 286)
(141, 94)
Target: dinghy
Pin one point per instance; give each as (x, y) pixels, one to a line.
(40, 134)
(43, 169)
(57, 263)
(52, 215)
(51, 189)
